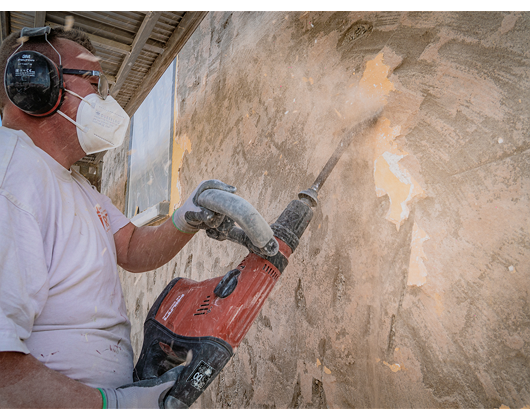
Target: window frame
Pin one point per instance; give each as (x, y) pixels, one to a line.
(160, 210)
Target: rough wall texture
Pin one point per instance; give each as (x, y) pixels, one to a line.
(410, 287)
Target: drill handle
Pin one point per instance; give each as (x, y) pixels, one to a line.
(254, 229)
(228, 230)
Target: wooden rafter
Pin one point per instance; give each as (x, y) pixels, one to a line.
(40, 19)
(109, 44)
(99, 41)
(182, 33)
(4, 25)
(150, 20)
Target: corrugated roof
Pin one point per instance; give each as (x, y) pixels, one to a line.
(135, 48)
(128, 43)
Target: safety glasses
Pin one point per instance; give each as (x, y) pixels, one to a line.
(103, 83)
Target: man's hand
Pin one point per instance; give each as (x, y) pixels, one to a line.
(148, 393)
(146, 248)
(190, 217)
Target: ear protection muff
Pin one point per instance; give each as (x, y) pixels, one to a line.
(32, 81)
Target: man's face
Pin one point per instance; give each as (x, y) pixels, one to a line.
(74, 56)
(54, 133)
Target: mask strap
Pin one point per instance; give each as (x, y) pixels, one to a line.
(72, 121)
(79, 96)
(68, 118)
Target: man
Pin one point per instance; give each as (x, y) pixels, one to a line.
(64, 332)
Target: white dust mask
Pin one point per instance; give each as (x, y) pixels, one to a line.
(101, 124)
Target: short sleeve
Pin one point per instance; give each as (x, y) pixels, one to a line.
(117, 219)
(23, 274)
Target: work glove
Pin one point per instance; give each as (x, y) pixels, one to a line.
(149, 393)
(190, 217)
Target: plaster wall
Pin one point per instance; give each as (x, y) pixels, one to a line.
(410, 286)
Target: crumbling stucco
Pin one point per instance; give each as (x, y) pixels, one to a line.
(433, 314)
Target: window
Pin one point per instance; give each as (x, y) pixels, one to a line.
(150, 149)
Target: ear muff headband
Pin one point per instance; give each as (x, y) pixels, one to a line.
(34, 83)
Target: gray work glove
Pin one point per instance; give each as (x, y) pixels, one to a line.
(190, 217)
(148, 393)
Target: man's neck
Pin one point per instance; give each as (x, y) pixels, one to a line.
(57, 139)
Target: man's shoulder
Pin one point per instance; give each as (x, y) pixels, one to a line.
(19, 154)
(22, 171)
(8, 142)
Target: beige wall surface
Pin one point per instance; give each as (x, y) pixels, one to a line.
(410, 286)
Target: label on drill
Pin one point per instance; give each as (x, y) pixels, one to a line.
(172, 308)
(201, 375)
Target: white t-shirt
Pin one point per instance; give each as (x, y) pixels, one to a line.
(60, 293)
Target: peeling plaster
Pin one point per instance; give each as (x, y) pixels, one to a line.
(181, 145)
(390, 177)
(374, 82)
(417, 271)
(393, 180)
(396, 367)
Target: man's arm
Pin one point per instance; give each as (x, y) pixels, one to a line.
(27, 383)
(146, 248)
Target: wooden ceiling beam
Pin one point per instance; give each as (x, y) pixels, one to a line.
(109, 44)
(182, 33)
(99, 41)
(92, 26)
(136, 48)
(40, 19)
(5, 27)
(116, 44)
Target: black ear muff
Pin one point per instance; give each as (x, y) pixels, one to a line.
(34, 83)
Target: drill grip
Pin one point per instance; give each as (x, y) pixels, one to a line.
(239, 210)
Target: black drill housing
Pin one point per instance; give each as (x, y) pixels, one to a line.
(292, 223)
